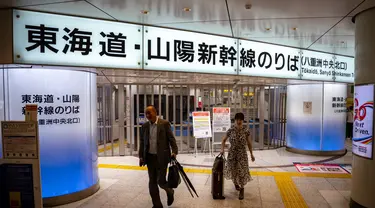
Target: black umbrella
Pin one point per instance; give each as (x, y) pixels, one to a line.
(185, 178)
(187, 185)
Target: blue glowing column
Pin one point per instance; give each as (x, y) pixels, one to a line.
(67, 124)
(316, 118)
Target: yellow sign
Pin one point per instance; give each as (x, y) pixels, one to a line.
(349, 102)
(31, 112)
(15, 200)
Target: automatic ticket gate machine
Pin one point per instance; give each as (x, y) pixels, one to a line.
(20, 185)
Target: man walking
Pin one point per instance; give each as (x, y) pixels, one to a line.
(156, 142)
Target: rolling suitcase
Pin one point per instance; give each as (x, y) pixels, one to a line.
(217, 183)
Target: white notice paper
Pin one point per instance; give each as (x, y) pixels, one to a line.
(221, 119)
(202, 124)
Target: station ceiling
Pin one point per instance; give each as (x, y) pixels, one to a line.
(323, 25)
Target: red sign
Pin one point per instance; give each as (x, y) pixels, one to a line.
(221, 110)
(200, 114)
(31, 107)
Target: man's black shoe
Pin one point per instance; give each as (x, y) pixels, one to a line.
(170, 195)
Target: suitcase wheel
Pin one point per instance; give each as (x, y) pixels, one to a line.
(218, 197)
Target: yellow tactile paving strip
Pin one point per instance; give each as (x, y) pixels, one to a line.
(254, 173)
(289, 192)
(290, 195)
(109, 146)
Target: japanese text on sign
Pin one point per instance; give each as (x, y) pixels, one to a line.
(89, 42)
(67, 105)
(45, 38)
(167, 49)
(221, 119)
(202, 124)
(79, 41)
(339, 104)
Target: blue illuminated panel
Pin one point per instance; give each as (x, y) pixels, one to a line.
(324, 128)
(304, 129)
(67, 124)
(334, 121)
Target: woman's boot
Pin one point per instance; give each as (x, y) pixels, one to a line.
(237, 187)
(242, 194)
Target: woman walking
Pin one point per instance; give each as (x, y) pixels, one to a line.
(237, 164)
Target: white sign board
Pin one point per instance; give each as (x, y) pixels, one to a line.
(265, 60)
(20, 139)
(317, 66)
(221, 119)
(50, 39)
(307, 107)
(41, 38)
(344, 71)
(202, 124)
(176, 50)
(363, 121)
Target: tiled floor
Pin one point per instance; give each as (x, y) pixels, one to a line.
(128, 188)
(266, 160)
(271, 187)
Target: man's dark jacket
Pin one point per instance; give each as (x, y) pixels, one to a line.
(165, 141)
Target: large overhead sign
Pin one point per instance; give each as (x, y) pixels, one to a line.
(266, 60)
(260, 59)
(176, 50)
(40, 38)
(50, 39)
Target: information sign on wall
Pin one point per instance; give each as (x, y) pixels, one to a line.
(176, 50)
(20, 139)
(307, 107)
(41, 38)
(221, 119)
(363, 121)
(202, 124)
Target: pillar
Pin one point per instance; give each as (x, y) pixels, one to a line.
(67, 114)
(363, 180)
(121, 118)
(316, 118)
(261, 116)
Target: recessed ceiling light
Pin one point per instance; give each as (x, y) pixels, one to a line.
(248, 6)
(187, 9)
(144, 12)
